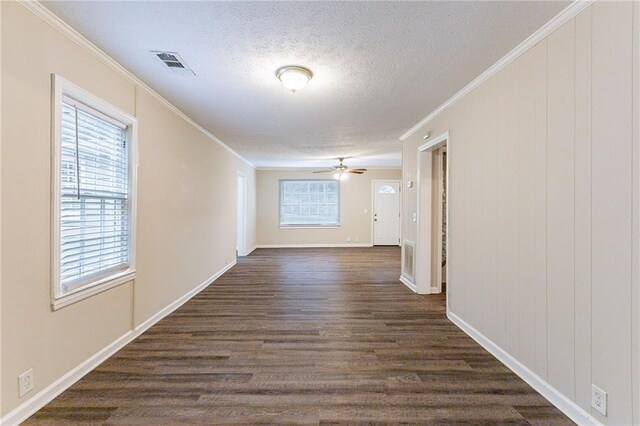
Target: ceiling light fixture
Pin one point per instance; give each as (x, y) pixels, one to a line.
(339, 175)
(294, 77)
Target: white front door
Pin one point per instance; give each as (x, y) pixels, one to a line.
(386, 213)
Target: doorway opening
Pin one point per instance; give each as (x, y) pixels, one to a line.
(241, 221)
(385, 227)
(432, 249)
(440, 203)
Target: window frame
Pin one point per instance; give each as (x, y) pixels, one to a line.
(63, 88)
(307, 225)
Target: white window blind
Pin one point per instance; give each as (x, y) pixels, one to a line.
(94, 196)
(309, 203)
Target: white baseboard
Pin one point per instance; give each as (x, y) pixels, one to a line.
(404, 280)
(251, 250)
(564, 404)
(312, 245)
(179, 302)
(46, 395)
(42, 398)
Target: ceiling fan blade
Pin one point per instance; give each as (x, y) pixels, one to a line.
(357, 172)
(323, 171)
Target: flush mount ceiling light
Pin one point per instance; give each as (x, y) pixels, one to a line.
(294, 77)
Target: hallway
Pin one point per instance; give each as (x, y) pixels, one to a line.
(304, 336)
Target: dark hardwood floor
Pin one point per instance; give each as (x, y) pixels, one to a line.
(304, 336)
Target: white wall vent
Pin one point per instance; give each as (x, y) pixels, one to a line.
(173, 61)
(408, 263)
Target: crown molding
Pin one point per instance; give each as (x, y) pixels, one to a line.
(308, 169)
(556, 22)
(65, 29)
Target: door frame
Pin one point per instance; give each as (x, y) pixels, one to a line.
(437, 274)
(373, 205)
(241, 244)
(423, 270)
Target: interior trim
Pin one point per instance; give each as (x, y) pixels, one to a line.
(404, 280)
(312, 245)
(308, 168)
(94, 288)
(568, 13)
(46, 395)
(554, 396)
(65, 29)
(139, 329)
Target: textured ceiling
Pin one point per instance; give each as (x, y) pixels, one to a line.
(379, 67)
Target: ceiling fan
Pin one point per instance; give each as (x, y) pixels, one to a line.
(341, 171)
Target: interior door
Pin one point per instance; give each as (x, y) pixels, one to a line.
(386, 213)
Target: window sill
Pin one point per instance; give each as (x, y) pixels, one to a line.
(93, 289)
(309, 226)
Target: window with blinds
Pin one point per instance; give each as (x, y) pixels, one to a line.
(94, 204)
(309, 203)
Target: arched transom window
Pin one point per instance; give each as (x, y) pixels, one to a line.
(386, 189)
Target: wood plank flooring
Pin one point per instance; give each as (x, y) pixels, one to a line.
(304, 336)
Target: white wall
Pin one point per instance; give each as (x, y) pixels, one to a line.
(186, 203)
(543, 247)
(355, 209)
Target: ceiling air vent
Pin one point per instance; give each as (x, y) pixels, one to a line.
(174, 62)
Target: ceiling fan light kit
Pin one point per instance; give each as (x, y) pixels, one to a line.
(341, 172)
(294, 77)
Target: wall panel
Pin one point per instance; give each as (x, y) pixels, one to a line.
(612, 195)
(583, 209)
(489, 325)
(560, 207)
(539, 82)
(503, 211)
(546, 160)
(526, 207)
(635, 326)
(473, 234)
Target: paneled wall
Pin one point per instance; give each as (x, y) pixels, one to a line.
(186, 208)
(541, 207)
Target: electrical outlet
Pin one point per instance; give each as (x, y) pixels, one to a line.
(348, 239)
(599, 399)
(25, 382)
